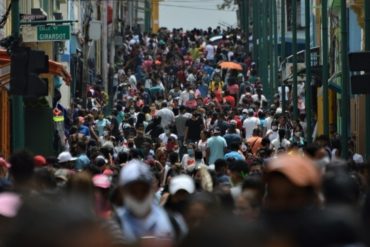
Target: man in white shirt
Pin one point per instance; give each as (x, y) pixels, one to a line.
(167, 116)
(250, 123)
(210, 52)
(259, 97)
(166, 135)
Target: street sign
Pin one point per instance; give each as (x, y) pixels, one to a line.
(53, 33)
(46, 33)
(30, 17)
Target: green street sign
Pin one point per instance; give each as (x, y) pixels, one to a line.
(53, 33)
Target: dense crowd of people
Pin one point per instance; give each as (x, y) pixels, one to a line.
(192, 154)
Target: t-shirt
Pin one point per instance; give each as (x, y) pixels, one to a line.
(167, 117)
(101, 124)
(210, 52)
(276, 144)
(234, 155)
(180, 122)
(216, 145)
(249, 125)
(194, 129)
(84, 130)
(164, 138)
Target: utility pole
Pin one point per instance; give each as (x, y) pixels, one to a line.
(294, 51)
(147, 16)
(263, 71)
(282, 56)
(367, 48)
(345, 116)
(246, 23)
(308, 90)
(85, 50)
(104, 61)
(18, 133)
(275, 61)
(255, 32)
(155, 16)
(270, 48)
(325, 65)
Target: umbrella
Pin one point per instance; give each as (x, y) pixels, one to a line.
(230, 65)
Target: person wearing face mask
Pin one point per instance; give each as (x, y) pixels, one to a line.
(140, 217)
(297, 138)
(181, 187)
(272, 133)
(189, 158)
(101, 124)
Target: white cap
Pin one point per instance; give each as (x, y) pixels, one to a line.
(134, 171)
(358, 159)
(65, 157)
(182, 182)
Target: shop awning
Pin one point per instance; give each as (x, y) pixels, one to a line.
(55, 68)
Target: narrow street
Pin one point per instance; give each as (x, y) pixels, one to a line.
(184, 123)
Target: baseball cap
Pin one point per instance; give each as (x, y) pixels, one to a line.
(39, 160)
(101, 181)
(182, 182)
(299, 170)
(65, 157)
(135, 171)
(245, 111)
(358, 159)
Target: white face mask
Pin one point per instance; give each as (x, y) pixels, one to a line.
(138, 208)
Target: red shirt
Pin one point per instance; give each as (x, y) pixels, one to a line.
(230, 100)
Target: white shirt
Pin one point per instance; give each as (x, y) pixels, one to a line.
(210, 52)
(167, 117)
(268, 122)
(249, 124)
(272, 135)
(281, 93)
(276, 144)
(184, 97)
(300, 89)
(164, 138)
(256, 99)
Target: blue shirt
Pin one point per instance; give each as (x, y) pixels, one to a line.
(233, 155)
(216, 145)
(84, 130)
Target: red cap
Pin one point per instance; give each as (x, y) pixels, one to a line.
(39, 160)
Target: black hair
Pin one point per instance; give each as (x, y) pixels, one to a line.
(173, 158)
(220, 163)
(22, 166)
(254, 183)
(198, 155)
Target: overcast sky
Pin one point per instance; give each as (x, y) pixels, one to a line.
(194, 13)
